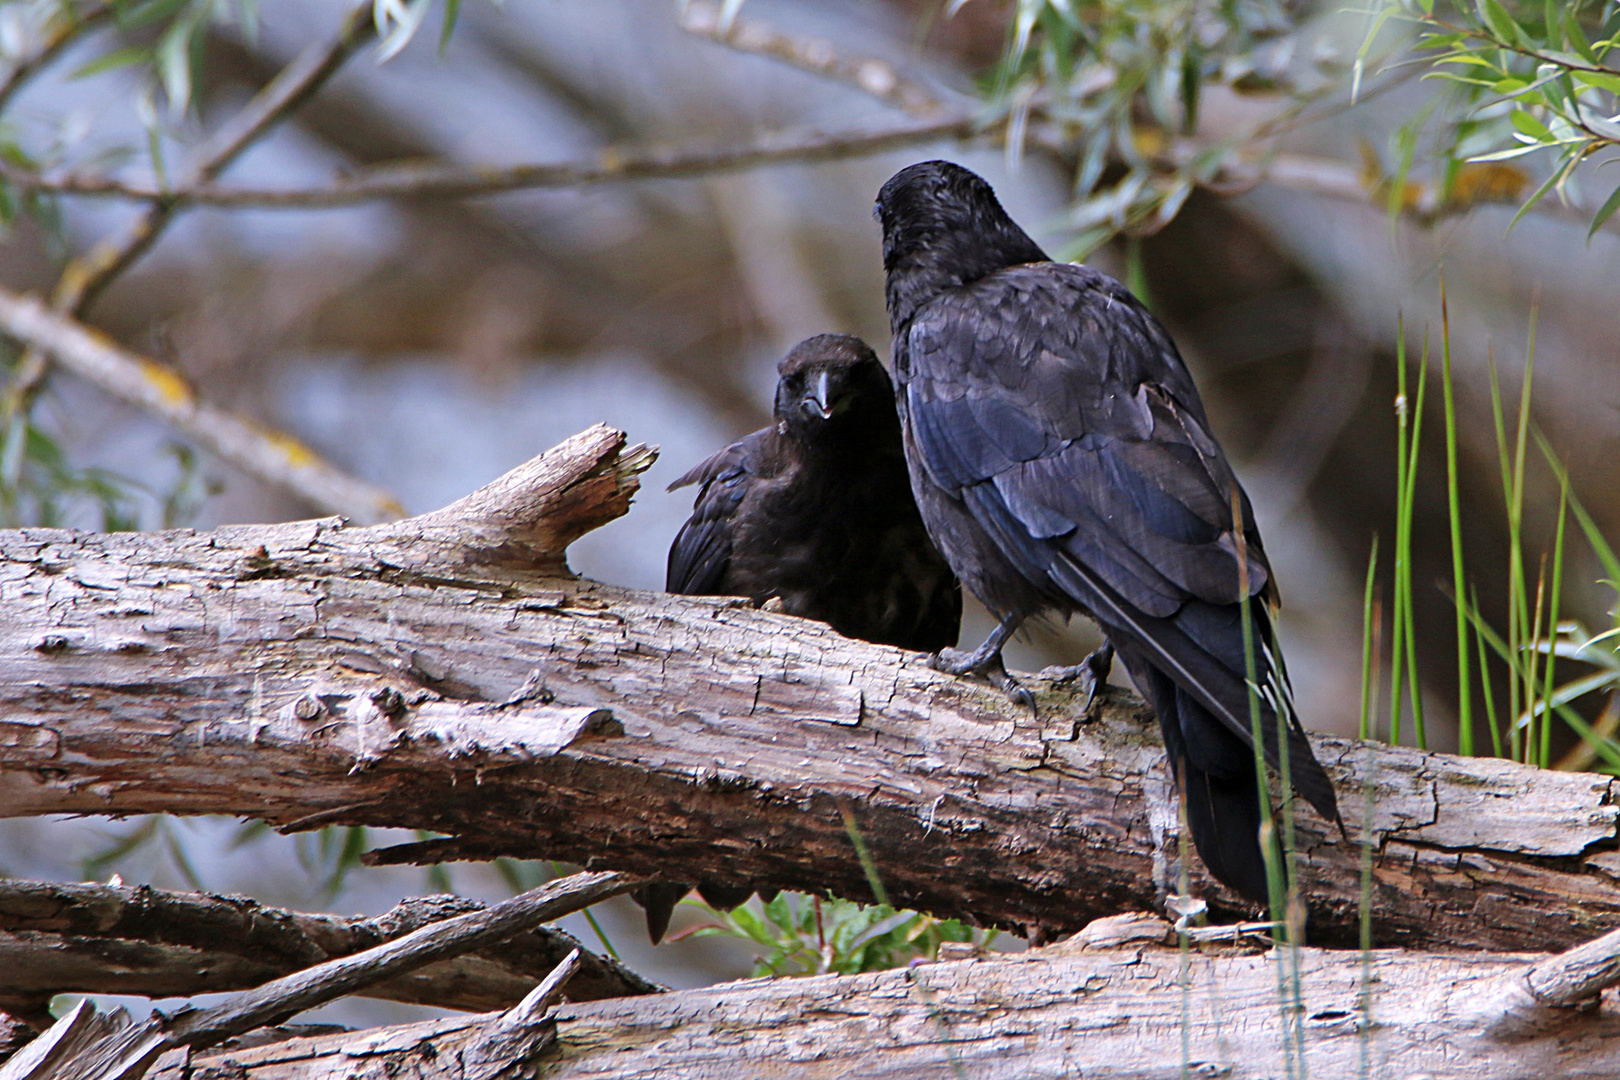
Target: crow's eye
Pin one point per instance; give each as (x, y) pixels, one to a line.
(877, 211)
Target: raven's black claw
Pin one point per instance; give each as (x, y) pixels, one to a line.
(959, 662)
(1093, 670)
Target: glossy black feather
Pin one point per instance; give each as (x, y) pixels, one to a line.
(815, 512)
(1063, 463)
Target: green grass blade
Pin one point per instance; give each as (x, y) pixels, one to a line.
(1486, 692)
(1544, 751)
(1403, 546)
(1369, 615)
(1408, 607)
(1465, 715)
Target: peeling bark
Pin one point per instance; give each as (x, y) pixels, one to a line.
(1114, 1012)
(104, 939)
(444, 673)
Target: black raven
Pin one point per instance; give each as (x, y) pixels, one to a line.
(816, 510)
(1063, 463)
(814, 515)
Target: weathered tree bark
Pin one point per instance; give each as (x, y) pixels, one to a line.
(1120, 1012)
(104, 939)
(445, 673)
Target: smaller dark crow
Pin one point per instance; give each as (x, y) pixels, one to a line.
(814, 515)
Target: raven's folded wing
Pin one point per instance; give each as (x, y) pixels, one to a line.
(701, 553)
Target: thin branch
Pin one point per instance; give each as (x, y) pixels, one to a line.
(437, 941)
(271, 456)
(88, 938)
(68, 28)
(870, 75)
(1542, 998)
(433, 180)
(127, 1052)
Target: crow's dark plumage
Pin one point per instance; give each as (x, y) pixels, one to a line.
(816, 510)
(815, 514)
(1063, 463)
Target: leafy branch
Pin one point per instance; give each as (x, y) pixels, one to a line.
(1533, 80)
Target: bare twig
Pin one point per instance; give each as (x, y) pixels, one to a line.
(69, 25)
(452, 937)
(870, 75)
(126, 1053)
(270, 455)
(433, 180)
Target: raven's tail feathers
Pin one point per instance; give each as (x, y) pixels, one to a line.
(1223, 815)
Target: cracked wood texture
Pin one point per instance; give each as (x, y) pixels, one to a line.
(88, 938)
(446, 673)
(1114, 1012)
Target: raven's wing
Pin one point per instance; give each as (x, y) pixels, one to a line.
(1054, 406)
(701, 553)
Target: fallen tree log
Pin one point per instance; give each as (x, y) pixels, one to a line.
(105, 939)
(444, 673)
(1131, 1011)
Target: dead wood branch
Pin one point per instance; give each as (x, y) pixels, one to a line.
(441, 673)
(127, 1050)
(104, 939)
(159, 390)
(1115, 1012)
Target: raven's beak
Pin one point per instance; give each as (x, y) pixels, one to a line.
(819, 400)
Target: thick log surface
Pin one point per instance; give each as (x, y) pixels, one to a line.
(1115, 1013)
(422, 674)
(87, 938)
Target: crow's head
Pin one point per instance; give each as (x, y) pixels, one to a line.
(942, 226)
(830, 383)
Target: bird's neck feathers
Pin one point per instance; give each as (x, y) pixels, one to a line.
(924, 259)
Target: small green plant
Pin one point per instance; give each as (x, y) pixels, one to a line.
(807, 935)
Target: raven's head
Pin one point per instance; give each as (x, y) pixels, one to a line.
(943, 227)
(832, 383)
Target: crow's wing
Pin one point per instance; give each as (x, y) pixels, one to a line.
(1048, 401)
(701, 553)
(1047, 391)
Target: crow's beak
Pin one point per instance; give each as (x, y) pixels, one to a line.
(819, 400)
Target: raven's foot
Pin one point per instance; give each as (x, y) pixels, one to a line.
(1092, 671)
(959, 662)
